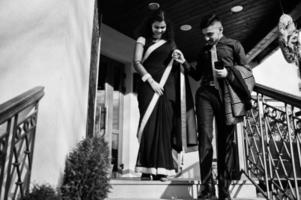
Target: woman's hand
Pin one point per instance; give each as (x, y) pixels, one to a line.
(155, 86)
(178, 56)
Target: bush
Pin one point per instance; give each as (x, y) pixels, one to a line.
(86, 171)
(39, 192)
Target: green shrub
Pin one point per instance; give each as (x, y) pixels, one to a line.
(42, 192)
(86, 171)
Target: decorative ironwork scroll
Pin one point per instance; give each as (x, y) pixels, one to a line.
(272, 141)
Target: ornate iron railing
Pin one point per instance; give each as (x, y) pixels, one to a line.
(18, 120)
(272, 138)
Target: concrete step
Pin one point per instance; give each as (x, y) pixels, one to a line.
(176, 188)
(179, 199)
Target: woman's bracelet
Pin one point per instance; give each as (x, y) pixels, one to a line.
(145, 77)
(150, 81)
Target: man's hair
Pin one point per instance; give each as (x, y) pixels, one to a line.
(208, 20)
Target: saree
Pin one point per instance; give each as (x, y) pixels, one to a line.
(159, 123)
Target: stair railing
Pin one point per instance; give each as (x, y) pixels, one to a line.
(271, 139)
(18, 120)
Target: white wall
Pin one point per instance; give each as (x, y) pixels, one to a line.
(48, 43)
(276, 73)
(116, 45)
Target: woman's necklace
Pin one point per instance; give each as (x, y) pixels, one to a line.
(155, 39)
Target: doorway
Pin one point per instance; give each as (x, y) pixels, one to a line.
(110, 100)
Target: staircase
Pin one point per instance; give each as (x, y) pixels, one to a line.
(268, 146)
(177, 188)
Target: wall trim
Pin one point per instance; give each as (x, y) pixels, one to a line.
(94, 68)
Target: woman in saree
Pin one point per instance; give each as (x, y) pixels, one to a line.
(158, 98)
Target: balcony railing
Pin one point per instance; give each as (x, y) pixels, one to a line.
(272, 138)
(18, 120)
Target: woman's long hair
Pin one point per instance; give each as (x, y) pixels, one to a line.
(145, 29)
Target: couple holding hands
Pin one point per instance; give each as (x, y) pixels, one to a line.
(167, 107)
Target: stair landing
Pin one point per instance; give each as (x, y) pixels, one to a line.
(177, 188)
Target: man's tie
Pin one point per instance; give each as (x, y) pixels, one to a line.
(213, 60)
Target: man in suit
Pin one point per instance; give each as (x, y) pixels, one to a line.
(214, 67)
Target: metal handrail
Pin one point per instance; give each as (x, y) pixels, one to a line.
(278, 95)
(15, 105)
(272, 142)
(18, 120)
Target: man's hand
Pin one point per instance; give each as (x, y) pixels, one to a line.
(221, 73)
